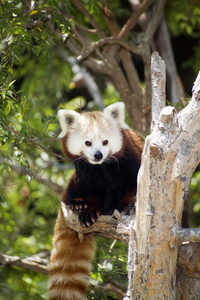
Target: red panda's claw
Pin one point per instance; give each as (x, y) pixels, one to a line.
(78, 205)
(88, 218)
(98, 213)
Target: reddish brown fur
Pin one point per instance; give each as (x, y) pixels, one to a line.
(134, 141)
(69, 258)
(65, 150)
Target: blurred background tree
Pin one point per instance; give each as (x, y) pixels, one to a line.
(78, 55)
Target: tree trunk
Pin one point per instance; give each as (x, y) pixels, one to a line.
(171, 154)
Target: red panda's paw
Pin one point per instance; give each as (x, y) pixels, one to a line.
(87, 218)
(78, 205)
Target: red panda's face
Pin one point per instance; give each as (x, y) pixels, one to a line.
(96, 140)
(93, 136)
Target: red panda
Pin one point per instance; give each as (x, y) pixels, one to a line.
(106, 156)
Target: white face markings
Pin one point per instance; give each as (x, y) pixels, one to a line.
(95, 139)
(97, 145)
(95, 135)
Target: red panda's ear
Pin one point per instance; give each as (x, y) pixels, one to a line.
(116, 111)
(67, 118)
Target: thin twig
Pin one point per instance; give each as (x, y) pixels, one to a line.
(24, 117)
(90, 18)
(34, 176)
(30, 140)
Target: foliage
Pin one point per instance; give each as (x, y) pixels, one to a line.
(183, 19)
(34, 83)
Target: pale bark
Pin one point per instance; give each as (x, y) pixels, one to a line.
(116, 226)
(35, 263)
(158, 87)
(171, 154)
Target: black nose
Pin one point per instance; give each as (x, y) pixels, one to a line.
(98, 156)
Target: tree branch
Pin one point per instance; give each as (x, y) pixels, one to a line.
(90, 18)
(34, 263)
(115, 227)
(30, 140)
(134, 18)
(110, 40)
(24, 171)
(153, 24)
(91, 63)
(110, 20)
(182, 235)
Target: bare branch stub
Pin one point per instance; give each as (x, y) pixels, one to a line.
(158, 79)
(184, 235)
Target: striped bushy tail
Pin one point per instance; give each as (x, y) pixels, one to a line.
(70, 263)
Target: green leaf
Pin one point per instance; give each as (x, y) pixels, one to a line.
(11, 83)
(2, 198)
(44, 119)
(3, 93)
(33, 12)
(8, 109)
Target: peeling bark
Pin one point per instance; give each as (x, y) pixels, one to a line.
(171, 154)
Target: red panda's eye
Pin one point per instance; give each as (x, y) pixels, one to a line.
(88, 143)
(105, 142)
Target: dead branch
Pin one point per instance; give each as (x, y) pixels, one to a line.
(171, 154)
(187, 266)
(182, 235)
(34, 263)
(158, 80)
(115, 227)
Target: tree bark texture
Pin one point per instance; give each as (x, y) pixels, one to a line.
(171, 154)
(188, 272)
